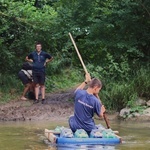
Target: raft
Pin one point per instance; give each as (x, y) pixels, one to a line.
(54, 137)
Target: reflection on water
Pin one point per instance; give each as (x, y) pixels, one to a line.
(86, 147)
(30, 136)
(79, 147)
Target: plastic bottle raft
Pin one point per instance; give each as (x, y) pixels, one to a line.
(100, 136)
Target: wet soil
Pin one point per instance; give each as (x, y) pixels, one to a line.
(58, 106)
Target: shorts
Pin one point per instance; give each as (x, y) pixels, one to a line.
(39, 78)
(25, 80)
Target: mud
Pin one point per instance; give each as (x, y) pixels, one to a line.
(58, 105)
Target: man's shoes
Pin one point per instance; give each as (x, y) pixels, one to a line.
(43, 101)
(36, 101)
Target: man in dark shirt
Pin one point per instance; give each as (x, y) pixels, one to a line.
(40, 59)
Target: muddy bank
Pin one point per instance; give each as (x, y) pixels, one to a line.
(58, 105)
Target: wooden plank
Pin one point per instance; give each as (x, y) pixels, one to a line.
(119, 138)
(50, 135)
(52, 131)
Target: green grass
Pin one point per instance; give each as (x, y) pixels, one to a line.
(67, 79)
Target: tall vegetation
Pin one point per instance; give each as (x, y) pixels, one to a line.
(112, 36)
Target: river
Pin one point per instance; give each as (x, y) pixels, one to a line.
(29, 136)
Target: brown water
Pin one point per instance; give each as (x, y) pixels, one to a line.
(29, 136)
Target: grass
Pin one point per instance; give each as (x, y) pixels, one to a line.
(67, 79)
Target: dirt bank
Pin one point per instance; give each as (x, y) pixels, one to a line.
(58, 106)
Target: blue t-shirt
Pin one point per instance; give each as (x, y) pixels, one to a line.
(85, 107)
(39, 60)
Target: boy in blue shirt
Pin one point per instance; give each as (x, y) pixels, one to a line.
(86, 104)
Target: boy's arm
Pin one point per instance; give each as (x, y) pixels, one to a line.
(83, 84)
(102, 106)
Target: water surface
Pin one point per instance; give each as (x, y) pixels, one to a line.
(30, 135)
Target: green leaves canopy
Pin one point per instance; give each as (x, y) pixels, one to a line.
(112, 34)
(112, 37)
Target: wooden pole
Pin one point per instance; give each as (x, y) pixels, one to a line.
(104, 115)
(78, 53)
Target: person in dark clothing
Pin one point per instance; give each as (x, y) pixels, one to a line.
(39, 58)
(25, 75)
(86, 103)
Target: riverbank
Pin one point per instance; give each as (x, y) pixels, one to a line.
(59, 106)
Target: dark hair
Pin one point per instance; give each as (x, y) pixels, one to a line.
(38, 43)
(27, 66)
(95, 82)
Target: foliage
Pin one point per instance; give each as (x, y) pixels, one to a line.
(142, 83)
(112, 37)
(114, 95)
(67, 79)
(118, 95)
(134, 110)
(25, 25)
(138, 109)
(10, 88)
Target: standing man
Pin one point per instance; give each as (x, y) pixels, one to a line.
(39, 59)
(86, 104)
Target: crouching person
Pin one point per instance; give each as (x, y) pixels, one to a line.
(25, 75)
